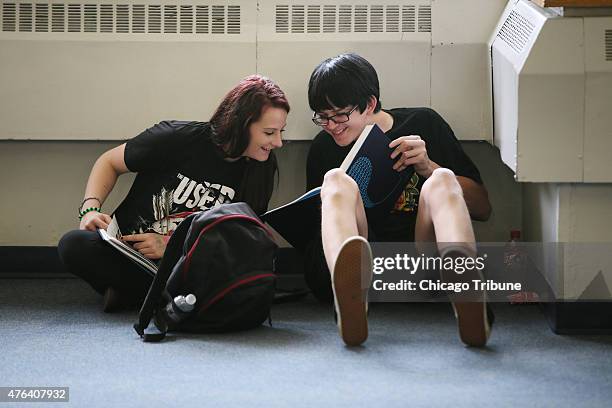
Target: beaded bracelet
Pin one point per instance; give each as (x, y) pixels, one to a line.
(90, 209)
(89, 198)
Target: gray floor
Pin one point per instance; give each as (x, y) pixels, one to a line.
(53, 334)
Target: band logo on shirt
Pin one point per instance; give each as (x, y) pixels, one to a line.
(204, 195)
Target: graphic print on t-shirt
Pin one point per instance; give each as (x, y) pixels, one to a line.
(408, 201)
(170, 207)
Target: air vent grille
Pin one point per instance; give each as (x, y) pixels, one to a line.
(202, 20)
(297, 19)
(25, 17)
(90, 18)
(516, 31)
(313, 24)
(58, 18)
(608, 45)
(408, 19)
(9, 17)
(424, 19)
(42, 18)
(74, 17)
(170, 19)
(345, 18)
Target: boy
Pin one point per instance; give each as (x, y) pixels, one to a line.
(443, 194)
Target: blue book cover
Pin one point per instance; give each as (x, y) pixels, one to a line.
(369, 163)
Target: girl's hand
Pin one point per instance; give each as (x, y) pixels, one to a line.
(151, 245)
(93, 220)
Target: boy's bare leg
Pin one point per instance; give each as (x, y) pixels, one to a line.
(342, 213)
(443, 218)
(347, 252)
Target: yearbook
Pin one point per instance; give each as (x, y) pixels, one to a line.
(112, 235)
(369, 163)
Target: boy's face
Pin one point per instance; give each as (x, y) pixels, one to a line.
(347, 131)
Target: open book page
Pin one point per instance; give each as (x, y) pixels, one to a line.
(129, 252)
(113, 229)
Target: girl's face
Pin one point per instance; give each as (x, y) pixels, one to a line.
(266, 133)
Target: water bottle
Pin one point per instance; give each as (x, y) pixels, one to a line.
(180, 307)
(515, 267)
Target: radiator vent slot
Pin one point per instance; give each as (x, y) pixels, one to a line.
(393, 19)
(74, 18)
(218, 19)
(202, 20)
(233, 19)
(608, 45)
(186, 19)
(329, 18)
(42, 18)
(297, 19)
(376, 19)
(424, 19)
(25, 17)
(361, 19)
(90, 18)
(516, 31)
(125, 18)
(155, 19)
(107, 18)
(139, 20)
(170, 19)
(58, 18)
(282, 18)
(313, 24)
(346, 18)
(9, 17)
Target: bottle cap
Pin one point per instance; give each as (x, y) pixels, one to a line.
(515, 234)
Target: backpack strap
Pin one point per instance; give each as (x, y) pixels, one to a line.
(156, 330)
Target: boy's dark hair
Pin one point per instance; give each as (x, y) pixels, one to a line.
(243, 105)
(341, 81)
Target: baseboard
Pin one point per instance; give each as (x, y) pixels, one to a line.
(579, 317)
(30, 262)
(44, 262)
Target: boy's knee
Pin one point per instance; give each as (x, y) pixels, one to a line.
(441, 181)
(337, 183)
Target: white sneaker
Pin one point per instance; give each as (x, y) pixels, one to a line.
(350, 300)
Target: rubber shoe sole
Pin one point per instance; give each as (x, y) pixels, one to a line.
(354, 260)
(473, 322)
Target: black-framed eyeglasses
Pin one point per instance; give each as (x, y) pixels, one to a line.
(337, 118)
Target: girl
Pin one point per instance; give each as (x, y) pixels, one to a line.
(182, 167)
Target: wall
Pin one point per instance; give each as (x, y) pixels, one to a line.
(43, 183)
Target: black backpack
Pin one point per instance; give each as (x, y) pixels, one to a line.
(225, 258)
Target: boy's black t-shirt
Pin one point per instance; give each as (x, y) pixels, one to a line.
(442, 147)
(179, 171)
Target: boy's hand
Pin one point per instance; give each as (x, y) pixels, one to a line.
(412, 151)
(151, 245)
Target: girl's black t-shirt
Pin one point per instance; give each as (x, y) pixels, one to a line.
(180, 171)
